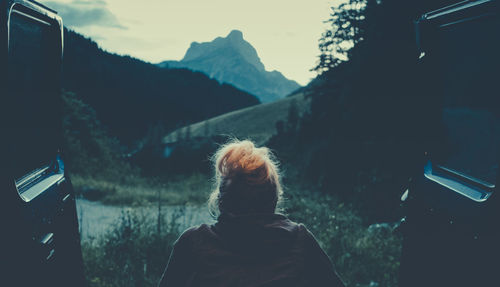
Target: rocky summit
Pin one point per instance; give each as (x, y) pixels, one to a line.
(235, 61)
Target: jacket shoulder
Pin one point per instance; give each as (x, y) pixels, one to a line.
(307, 236)
(302, 229)
(194, 234)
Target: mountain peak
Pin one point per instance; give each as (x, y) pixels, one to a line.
(232, 46)
(235, 34)
(235, 61)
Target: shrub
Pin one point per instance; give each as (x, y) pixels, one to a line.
(134, 253)
(362, 255)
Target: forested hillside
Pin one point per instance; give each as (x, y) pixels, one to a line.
(370, 119)
(130, 95)
(258, 123)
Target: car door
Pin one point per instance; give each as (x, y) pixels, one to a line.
(40, 231)
(451, 232)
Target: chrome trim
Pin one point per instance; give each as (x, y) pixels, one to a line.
(473, 179)
(466, 20)
(47, 239)
(15, 11)
(404, 197)
(37, 189)
(474, 193)
(453, 8)
(42, 6)
(61, 181)
(30, 177)
(38, 8)
(51, 253)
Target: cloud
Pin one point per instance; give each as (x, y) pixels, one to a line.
(81, 13)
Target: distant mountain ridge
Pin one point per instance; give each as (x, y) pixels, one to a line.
(234, 61)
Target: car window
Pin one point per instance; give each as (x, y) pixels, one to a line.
(469, 62)
(32, 93)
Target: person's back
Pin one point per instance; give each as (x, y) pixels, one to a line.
(250, 245)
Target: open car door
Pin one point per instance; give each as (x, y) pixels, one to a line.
(452, 225)
(39, 241)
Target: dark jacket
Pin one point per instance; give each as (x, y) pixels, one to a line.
(249, 250)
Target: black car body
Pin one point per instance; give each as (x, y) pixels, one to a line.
(451, 230)
(40, 242)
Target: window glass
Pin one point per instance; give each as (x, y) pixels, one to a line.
(469, 61)
(33, 111)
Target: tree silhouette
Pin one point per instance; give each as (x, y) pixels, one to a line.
(187, 133)
(293, 117)
(347, 30)
(206, 128)
(280, 128)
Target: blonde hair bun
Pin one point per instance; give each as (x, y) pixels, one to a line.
(247, 179)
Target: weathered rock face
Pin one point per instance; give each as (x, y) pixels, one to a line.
(235, 61)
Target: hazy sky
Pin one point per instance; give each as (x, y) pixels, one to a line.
(284, 32)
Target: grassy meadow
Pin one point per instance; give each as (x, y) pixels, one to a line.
(136, 249)
(256, 122)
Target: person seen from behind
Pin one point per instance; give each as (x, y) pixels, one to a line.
(250, 244)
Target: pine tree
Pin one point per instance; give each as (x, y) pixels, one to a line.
(347, 30)
(293, 117)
